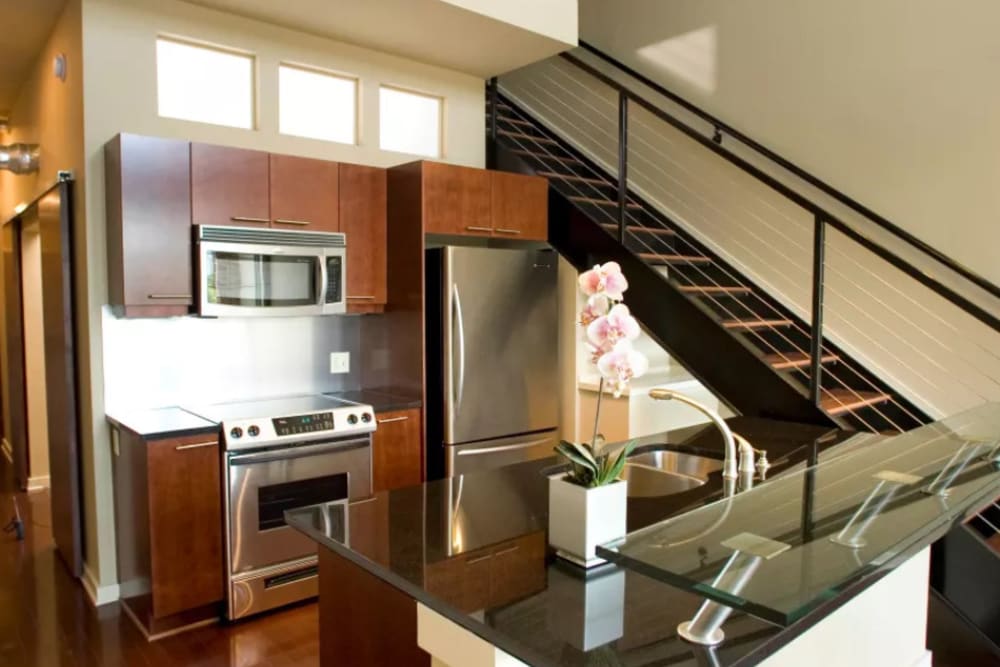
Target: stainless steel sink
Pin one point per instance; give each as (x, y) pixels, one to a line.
(656, 473)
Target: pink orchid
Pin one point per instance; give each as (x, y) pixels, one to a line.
(617, 325)
(597, 306)
(604, 279)
(622, 364)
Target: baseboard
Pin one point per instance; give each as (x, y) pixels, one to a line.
(39, 483)
(8, 451)
(99, 595)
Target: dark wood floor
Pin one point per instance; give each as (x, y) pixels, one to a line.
(46, 619)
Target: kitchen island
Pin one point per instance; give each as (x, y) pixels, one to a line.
(461, 568)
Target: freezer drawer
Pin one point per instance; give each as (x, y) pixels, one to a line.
(488, 454)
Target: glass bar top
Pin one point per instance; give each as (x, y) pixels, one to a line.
(780, 550)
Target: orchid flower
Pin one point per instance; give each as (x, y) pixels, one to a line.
(604, 279)
(597, 306)
(617, 325)
(622, 364)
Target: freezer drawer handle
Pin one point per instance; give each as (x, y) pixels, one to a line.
(392, 419)
(503, 448)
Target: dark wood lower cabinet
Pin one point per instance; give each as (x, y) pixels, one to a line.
(363, 621)
(397, 450)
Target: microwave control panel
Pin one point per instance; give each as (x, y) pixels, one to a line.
(334, 284)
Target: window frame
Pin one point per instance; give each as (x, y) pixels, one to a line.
(440, 121)
(184, 40)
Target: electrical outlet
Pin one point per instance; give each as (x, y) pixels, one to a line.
(340, 362)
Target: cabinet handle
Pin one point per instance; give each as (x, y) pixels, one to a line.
(168, 296)
(478, 229)
(285, 221)
(504, 552)
(500, 230)
(197, 445)
(362, 298)
(480, 559)
(392, 419)
(243, 218)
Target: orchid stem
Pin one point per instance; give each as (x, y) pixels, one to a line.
(597, 415)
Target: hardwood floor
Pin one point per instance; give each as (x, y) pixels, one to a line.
(47, 620)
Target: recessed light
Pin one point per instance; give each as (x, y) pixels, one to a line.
(59, 66)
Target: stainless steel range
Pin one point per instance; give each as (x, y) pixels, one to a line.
(281, 454)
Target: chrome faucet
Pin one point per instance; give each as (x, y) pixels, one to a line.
(732, 468)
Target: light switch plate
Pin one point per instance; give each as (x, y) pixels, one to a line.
(340, 362)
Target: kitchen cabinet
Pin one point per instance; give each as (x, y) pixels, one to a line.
(363, 220)
(229, 186)
(491, 576)
(168, 514)
(456, 200)
(304, 194)
(520, 206)
(148, 199)
(397, 448)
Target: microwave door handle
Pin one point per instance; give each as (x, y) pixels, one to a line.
(322, 276)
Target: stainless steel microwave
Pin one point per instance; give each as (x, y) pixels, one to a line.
(247, 272)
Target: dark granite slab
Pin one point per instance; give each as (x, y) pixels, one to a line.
(383, 399)
(162, 422)
(609, 616)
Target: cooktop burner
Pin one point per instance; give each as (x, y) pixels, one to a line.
(288, 420)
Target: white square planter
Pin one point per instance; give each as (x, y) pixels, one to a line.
(581, 518)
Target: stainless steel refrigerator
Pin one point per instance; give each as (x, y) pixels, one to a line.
(492, 357)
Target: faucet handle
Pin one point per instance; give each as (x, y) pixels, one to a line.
(762, 463)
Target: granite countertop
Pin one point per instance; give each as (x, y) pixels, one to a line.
(428, 525)
(161, 422)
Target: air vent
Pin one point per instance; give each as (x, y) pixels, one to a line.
(271, 236)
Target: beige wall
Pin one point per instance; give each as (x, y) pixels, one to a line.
(553, 18)
(34, 355)
(120, 96)
(49, 112)
(891, 102)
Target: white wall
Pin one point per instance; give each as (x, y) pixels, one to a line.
(892, 102)
(120, 96)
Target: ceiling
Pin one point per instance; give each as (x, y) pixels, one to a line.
(430, 31)
(27, 24)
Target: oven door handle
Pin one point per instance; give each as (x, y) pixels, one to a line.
(301, 451)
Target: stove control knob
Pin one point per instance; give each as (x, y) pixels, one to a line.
(236, 433)
(253, 431)
(352, 419)
(366, 417)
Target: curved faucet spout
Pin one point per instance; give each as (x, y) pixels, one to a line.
(729, 466)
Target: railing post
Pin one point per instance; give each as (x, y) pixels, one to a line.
(816, 346)
(491, 145)
(622, 162)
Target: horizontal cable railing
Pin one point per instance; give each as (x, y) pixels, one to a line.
(798, 251)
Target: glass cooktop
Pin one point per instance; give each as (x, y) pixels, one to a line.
(268, 408)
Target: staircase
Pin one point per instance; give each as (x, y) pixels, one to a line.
(850, 396)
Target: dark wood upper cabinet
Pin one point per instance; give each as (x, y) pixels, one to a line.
(363, 219)
(185, 514)
(229, 186)
(456, 200)
(148, 193)
(304, 194)
(396, 450)
(520, 206)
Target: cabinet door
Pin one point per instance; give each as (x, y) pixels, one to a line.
(456, 200)
(396, 450)
(520, 206)
(148, 191)
(185, 523)
(363, 219)
(304, 194)
(229, 186)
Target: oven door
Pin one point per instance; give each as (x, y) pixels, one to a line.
(265, 483)
(245, 279)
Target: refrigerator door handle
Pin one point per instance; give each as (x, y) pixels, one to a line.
(459, 325)
(503, 448)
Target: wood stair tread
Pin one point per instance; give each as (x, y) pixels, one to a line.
(714, 289)
(838, 401)
(530, 137)
(755, 324)
(515, 121)
(543, 156)
(664, 258)
(784, 360)
(574, 177)
(640, 229)
(603, 202)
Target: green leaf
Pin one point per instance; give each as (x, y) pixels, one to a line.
(612, 472)
(577, 456)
